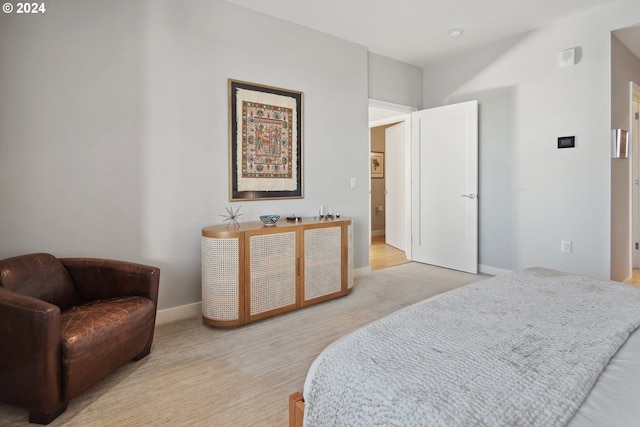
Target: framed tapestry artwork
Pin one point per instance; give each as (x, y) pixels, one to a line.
(265, 142)
(377, 165)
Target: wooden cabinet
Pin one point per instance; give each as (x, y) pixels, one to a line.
(251, 271)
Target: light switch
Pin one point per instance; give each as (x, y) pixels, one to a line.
(354, 183)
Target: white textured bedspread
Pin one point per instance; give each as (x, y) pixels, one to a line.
(523, 349)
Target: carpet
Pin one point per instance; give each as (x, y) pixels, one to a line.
(197, 375)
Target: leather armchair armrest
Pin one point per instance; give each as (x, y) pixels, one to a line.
(30, 357)
(96, 279)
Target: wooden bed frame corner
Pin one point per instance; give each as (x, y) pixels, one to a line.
(296, 409)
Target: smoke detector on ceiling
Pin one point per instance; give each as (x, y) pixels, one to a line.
(455, 33)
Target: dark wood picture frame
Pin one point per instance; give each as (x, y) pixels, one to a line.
(265, 142)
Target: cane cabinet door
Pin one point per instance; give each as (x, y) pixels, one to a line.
(270, 272)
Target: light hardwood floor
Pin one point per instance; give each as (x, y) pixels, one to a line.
(635, 278)
(382, 255)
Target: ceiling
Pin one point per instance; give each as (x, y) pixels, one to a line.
(417, 31)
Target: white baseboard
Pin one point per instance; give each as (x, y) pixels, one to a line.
(493, 271)
(362, 271)
(182, 312)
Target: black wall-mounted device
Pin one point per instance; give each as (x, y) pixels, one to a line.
(566, 142)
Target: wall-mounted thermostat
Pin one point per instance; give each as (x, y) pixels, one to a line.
(566, 142)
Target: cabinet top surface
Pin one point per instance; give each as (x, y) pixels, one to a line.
(219, 230)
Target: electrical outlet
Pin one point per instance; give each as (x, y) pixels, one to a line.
(566, 246)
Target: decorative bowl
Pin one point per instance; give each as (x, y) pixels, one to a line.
(269, 219)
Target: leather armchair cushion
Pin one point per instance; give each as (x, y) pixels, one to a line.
(101, 336)
(40, 276)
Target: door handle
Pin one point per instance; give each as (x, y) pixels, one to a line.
(469, 196)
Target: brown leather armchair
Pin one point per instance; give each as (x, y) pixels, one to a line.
(66, 323)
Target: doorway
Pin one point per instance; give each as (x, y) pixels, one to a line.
(389, 185)
(386, 190)
(440, 148)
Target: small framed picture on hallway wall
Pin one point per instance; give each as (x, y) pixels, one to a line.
(377, 165)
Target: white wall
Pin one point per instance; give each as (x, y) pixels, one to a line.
(533, 195)
(71, 130)
(394, 81)
(114, 128)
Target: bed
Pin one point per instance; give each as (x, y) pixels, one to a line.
(532, 348)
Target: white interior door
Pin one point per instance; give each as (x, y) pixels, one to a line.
(445, 186)
(394, 183)
(635, 169)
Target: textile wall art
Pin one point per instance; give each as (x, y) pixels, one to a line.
(265, 134)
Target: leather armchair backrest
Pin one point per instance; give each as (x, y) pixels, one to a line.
(40, 276)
